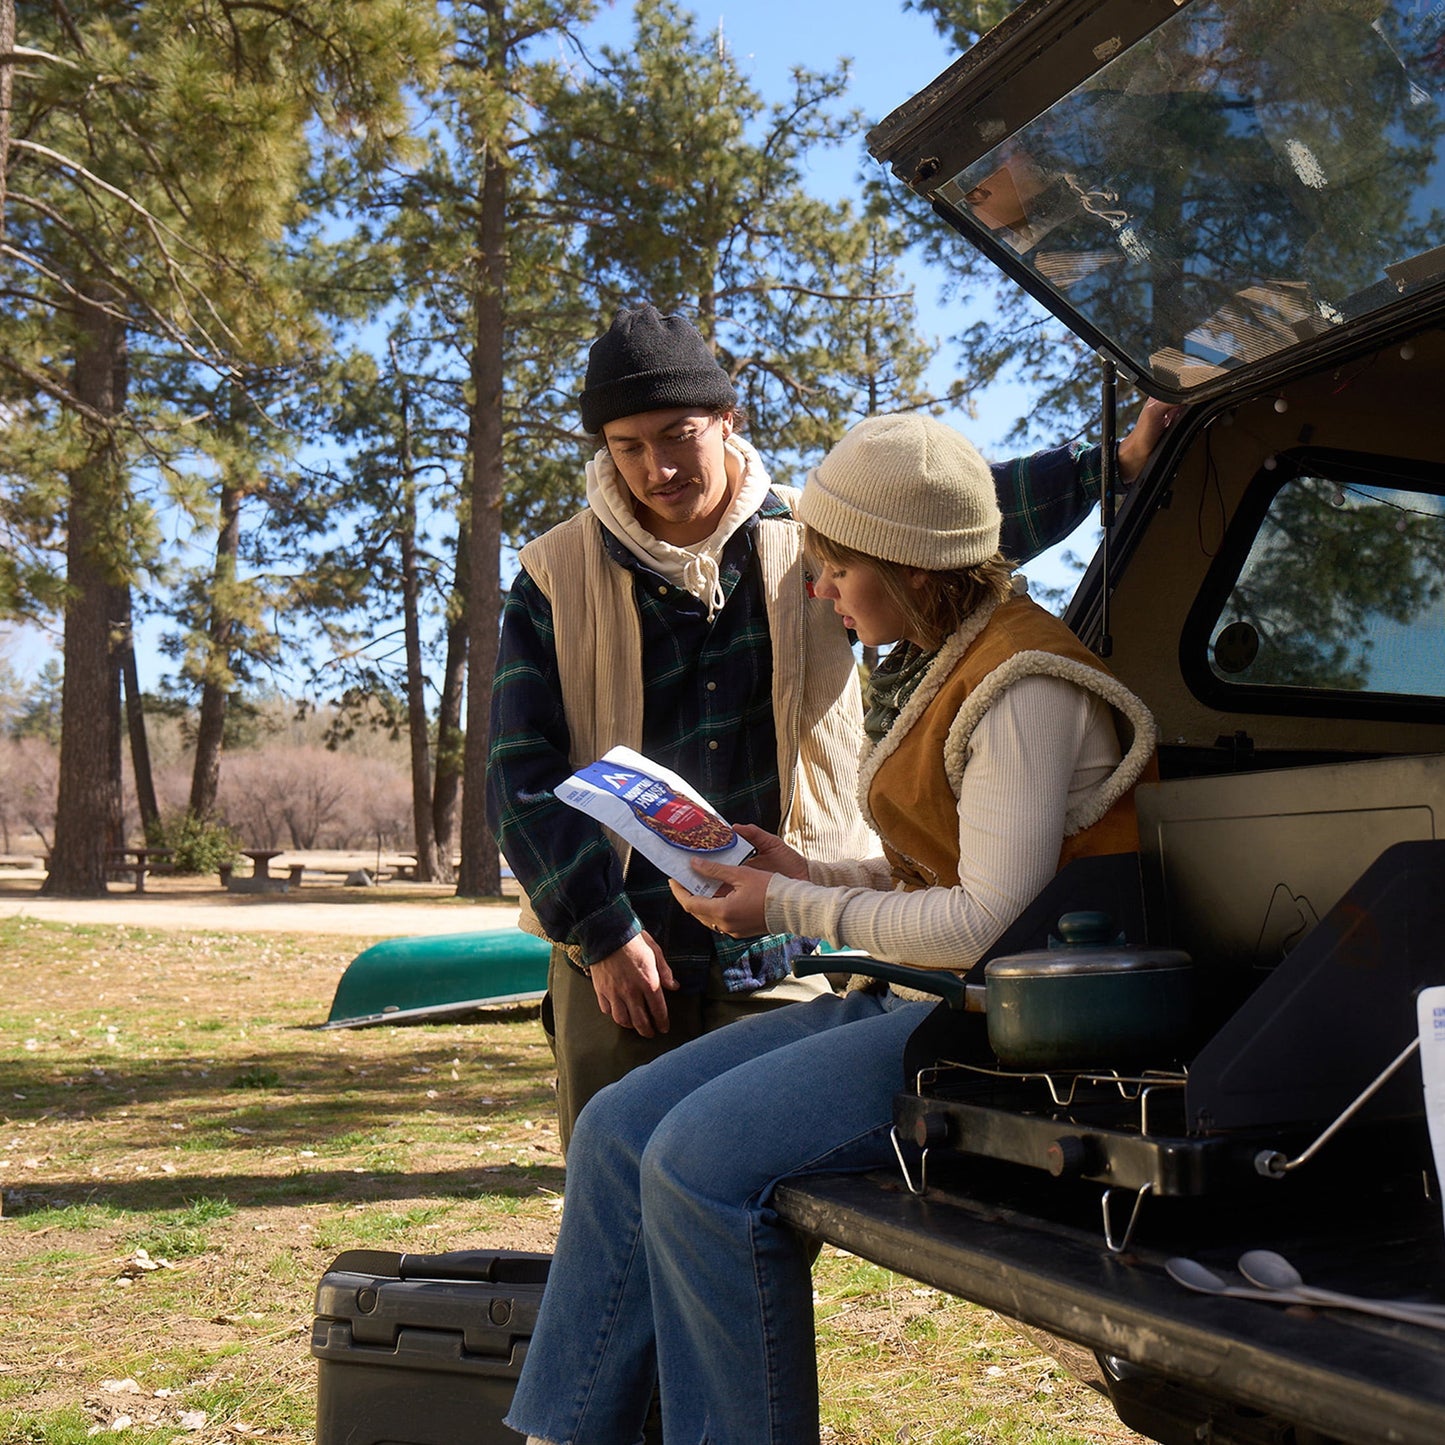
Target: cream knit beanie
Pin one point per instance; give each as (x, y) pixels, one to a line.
(908, 489)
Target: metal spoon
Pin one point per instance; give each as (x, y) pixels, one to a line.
(1200, 1278)
(1203, 1280)
(1273, 1271)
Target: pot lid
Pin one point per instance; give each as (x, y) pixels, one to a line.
(1087, 943)
(1211, 192)
(1077, 962)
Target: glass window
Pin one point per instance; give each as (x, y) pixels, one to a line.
(1248, 176)
(1342, 590)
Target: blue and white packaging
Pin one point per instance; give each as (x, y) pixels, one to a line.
(658, 813)
(1430, 1014)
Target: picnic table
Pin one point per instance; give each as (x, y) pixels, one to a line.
(261, 879)
(406, 868)
(261, 860)
(137, 862)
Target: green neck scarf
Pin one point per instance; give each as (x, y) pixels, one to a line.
(890, 686)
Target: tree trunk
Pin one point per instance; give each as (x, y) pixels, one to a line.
(216, 680)
(88, 808)
(115, 829)
(427, 864)
(7, 73)
(481, 871)
(446, 789)
(135, 720)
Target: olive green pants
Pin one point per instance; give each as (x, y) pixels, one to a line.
(591, 1051)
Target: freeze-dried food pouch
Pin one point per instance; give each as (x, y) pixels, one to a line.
(657, 812)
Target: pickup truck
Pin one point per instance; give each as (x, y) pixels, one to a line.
(1240, 206)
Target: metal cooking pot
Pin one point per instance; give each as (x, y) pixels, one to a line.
(1087, 1001)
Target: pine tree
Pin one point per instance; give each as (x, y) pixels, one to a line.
(688, 190)
(156, 156)
(489, 282)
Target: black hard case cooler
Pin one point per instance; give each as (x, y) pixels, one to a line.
(422, 1349)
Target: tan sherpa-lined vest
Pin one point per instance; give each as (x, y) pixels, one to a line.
(817, 712)
(913, 777)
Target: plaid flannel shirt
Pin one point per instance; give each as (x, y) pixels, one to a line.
(1043, 497)
(707, 716)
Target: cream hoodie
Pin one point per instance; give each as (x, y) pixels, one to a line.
(816, 706)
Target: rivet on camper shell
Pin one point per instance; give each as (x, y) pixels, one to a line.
(1281, 404)
(1407, 352)
(1269, 463)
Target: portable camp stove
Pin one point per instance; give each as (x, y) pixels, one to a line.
(1119, 1130)
(1130, 1133)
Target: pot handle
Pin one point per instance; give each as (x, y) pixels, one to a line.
(947, 985)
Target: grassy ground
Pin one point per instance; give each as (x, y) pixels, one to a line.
(182, 1155)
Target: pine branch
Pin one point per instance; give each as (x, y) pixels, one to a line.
(158, 229)
(24, 52)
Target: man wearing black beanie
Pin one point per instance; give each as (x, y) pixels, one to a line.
(674, 614)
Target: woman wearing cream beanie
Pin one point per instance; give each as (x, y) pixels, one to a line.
(1001, 748)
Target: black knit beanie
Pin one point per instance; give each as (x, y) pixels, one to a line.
(646, 361)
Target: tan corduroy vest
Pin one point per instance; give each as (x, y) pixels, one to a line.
(912, 778)
(816, 708)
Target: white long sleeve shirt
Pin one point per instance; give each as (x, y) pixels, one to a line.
(1039, 749)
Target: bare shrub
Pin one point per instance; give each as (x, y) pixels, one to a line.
(29, 780)
(173, 785)
(252, 798)
(282, 797)
(307, 797)
(377, 810)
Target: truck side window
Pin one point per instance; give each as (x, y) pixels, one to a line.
(1341, 589)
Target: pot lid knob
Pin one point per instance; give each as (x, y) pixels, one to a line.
(1086, 928)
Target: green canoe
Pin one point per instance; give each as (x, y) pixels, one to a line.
(416, 978)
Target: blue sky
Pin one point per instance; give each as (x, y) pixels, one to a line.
(894, 54)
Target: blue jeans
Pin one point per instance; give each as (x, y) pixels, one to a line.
(670, 1265)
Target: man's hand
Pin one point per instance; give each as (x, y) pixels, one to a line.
(1154, 419)
(630, 983)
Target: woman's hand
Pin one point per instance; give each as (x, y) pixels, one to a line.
(772, 854)
(739, 910)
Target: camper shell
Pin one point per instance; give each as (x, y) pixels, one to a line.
(1240, 206)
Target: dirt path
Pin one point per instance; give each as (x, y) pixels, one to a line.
(389, 910)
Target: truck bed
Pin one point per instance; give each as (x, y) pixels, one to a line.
(1032, 1247)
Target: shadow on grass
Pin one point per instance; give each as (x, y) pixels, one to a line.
(281, 1097)
(341, 1187)
(503, 1014)
(268, 1101)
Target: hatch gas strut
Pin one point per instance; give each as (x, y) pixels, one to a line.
(1107, 475)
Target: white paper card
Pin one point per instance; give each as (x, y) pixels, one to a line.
(1430, 1013)
(659, 813)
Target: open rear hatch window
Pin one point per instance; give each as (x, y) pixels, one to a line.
(1208, 192)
